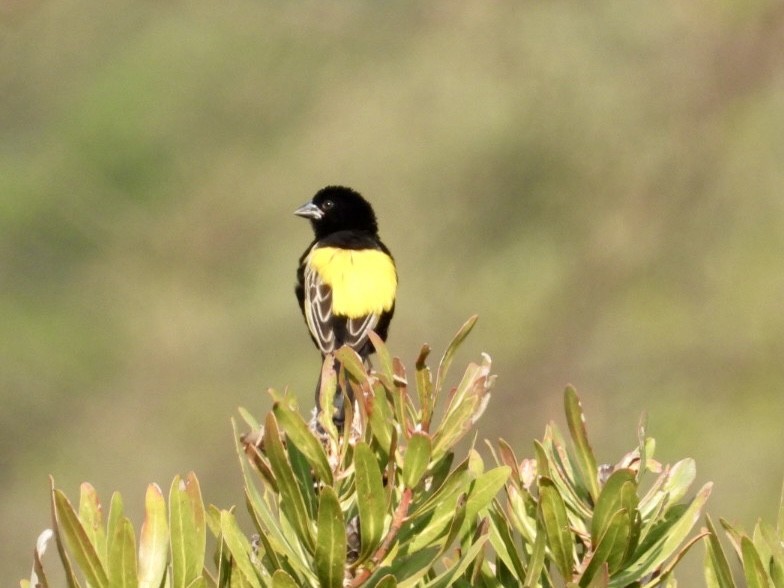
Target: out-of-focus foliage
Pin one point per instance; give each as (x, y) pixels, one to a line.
(601, 182)
(761, 556)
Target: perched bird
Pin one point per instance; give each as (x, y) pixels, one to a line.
(346, 280)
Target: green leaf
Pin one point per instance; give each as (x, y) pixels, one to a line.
(298, 433)
(380, 416)
(611, 546)
(292, 503)
(535, 563)
(483, 490)
(556, 527)
(410, 568)
(416, 459)
(92, 520)
(716, 559)
(267, 522)
(249, 419)
(116, 512)
(70, 576)
(450, 575)
(240, 549)
(466, 405)
(281, 579)
(776, 554)
(780, 518)
(371, 498)
(188, 530)
(586, 462)
(154, 539)
(449, 354)
(455, 483)
(680, 479)
(601, 579)
(303, 473)
(650, 556)
(504, 544)
(620, 491)
(330, 554)
(437, 526)
(122, 555)
(384, 359)
(351, 361)
(387, 581)
(79, 542)
(733, 535)
(753, 569)
(424, 386)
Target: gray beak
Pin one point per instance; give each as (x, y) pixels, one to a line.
(309, 210)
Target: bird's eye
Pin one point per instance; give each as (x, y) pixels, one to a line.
(327, 204)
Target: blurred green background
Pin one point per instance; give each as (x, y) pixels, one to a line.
(600, 181)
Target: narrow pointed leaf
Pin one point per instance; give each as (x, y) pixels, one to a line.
(298, 433)
(449, 354)
(504, 545)
(154, 539)
(450, 575)
(610, 547)
(329, 384)
(351, 361)
(386, 373)
(122, 556)
(680, 479)
(619, 492)
(424, 386)
(556, 527)
(281, 579)
(371, 498)
(456, 523)
(733, 534)
(416, 459)
(536, 562)
(188, 530)
(446, 514)
(649, 557)
(387, 581)
(91, 517)
(484, 489)
(380, 415)
(586, 461)
(753, 569)
(716, 557)
(267, 522)
(79, 542)
(240, 549)
(116, 515)
(776, 550)
(291, 500)
(601, 579)
(330, 554)
(780, 518)
(70, 576)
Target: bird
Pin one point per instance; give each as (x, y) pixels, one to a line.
(346, 278)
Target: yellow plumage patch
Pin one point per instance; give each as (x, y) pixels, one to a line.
(363, 281)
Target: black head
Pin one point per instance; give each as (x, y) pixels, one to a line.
(336, 208)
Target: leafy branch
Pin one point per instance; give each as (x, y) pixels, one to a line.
(391, 501)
